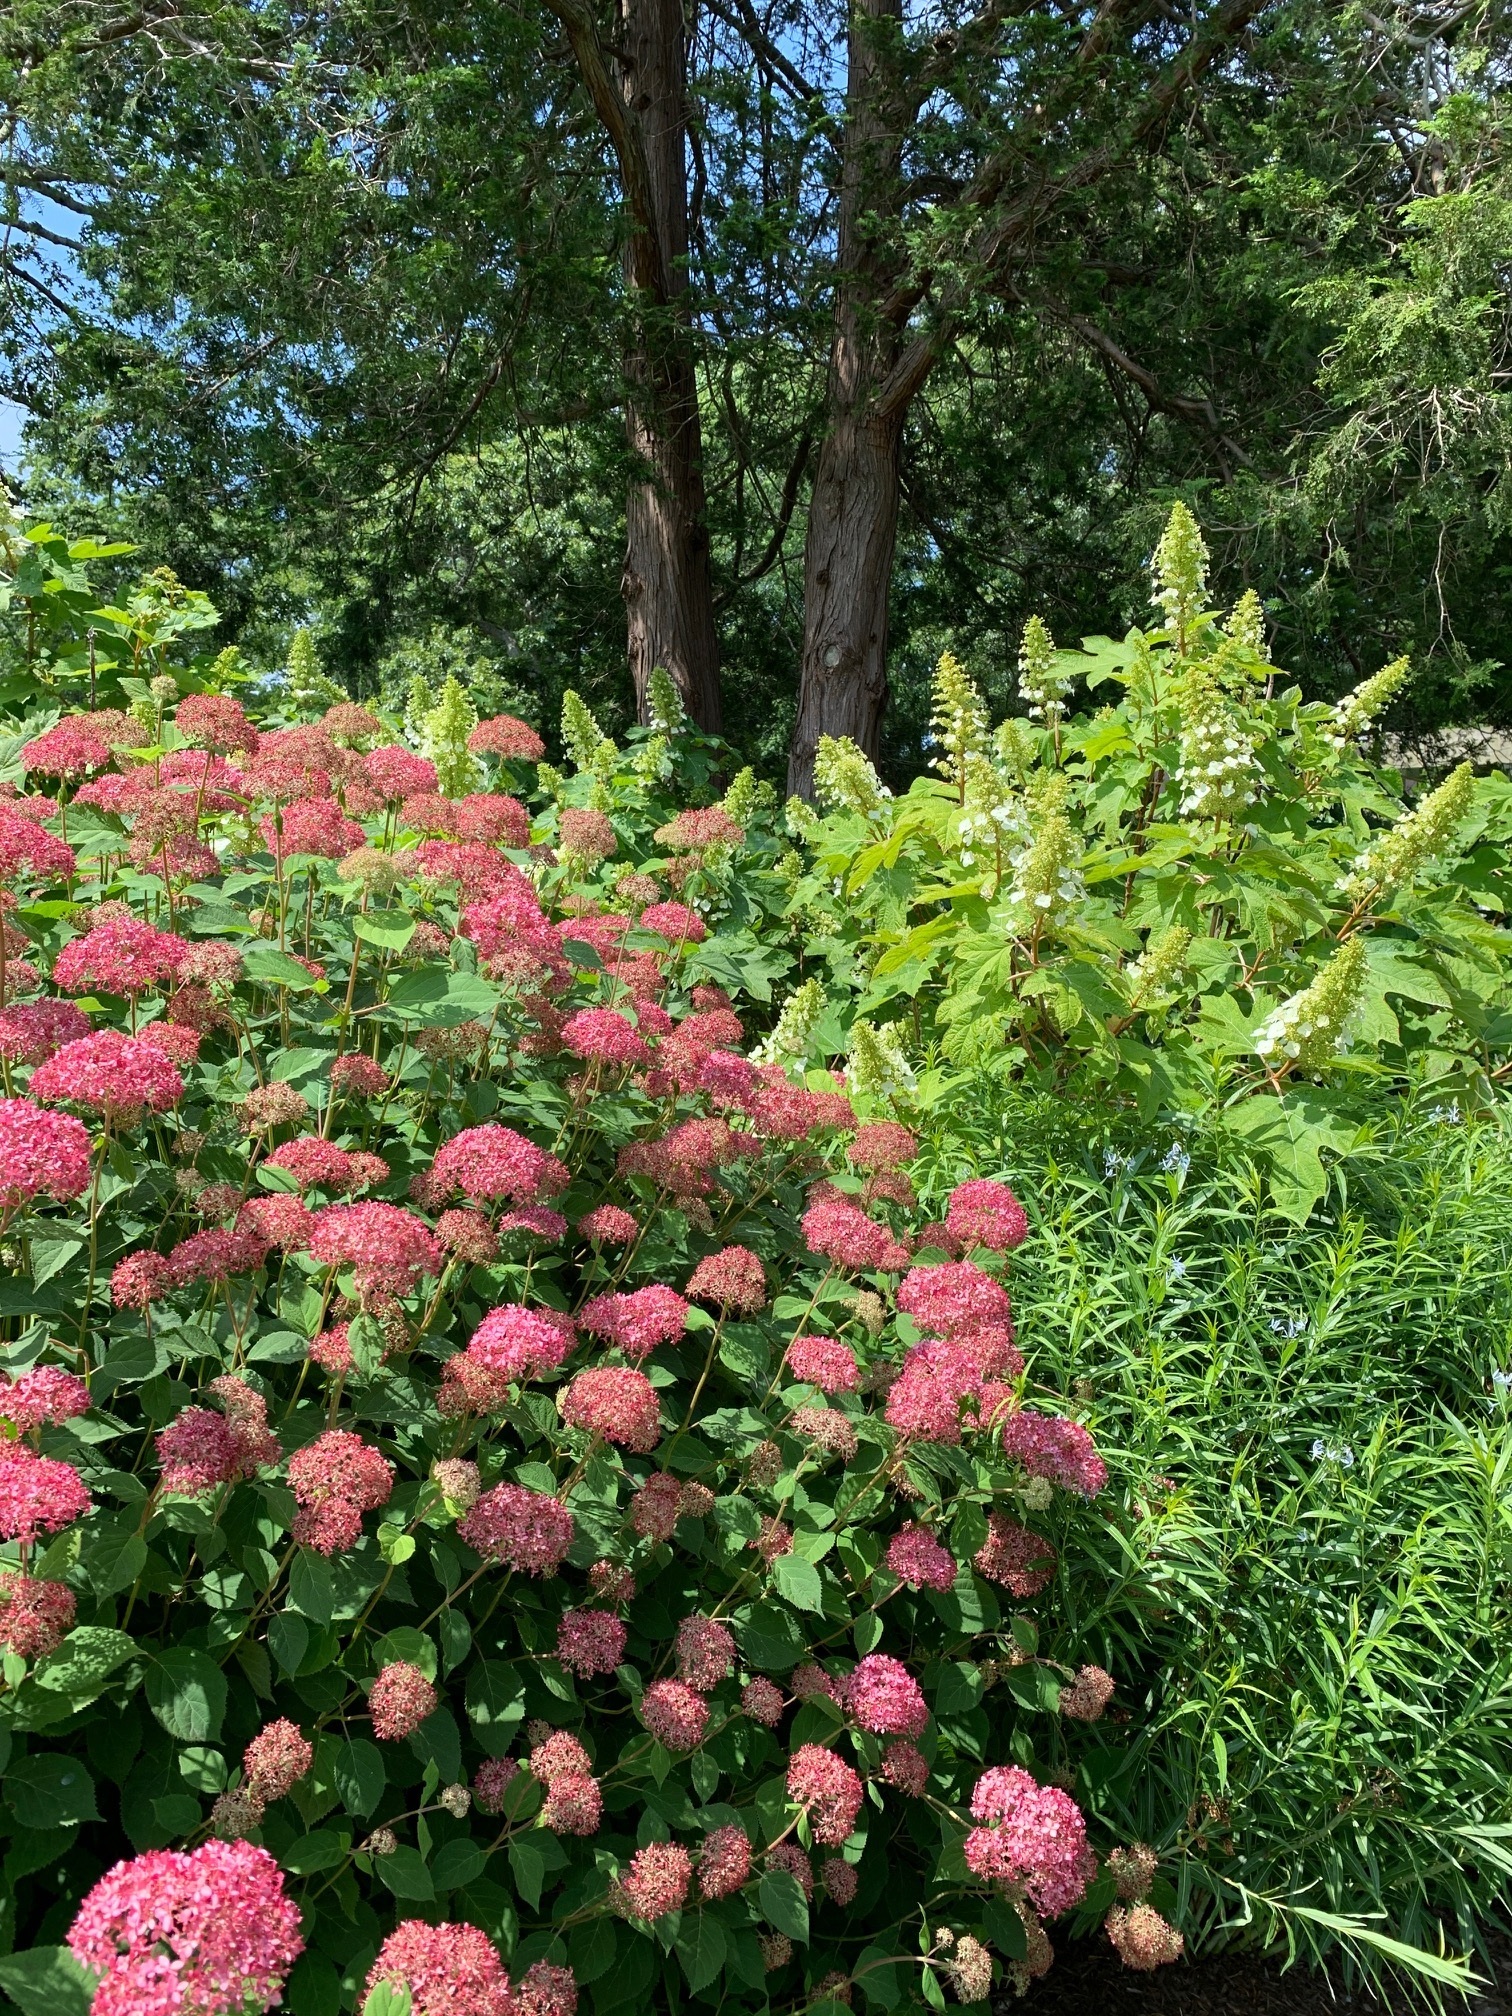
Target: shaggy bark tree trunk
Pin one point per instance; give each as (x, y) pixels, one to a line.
(669, 597)
(853, 515)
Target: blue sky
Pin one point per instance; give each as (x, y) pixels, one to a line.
(11, 417)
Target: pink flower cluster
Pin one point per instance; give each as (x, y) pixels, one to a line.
(984, 1213)
(954, 1296)
(1018, 1559)
(519, 1529)
(1032, 1835)
(639, 1321)
(842, 1232)
(38, 1494)
(35, 1616)
(119, 1077)
(494, 1164)
(449, 1970)
(590, 1642)
(211, 1931)
(1059, 1450)
(399, 1700)
(676, 1714)
(388, 1248)
(733, 1279)
(883, 1696)
(616, 1403)
(828, 1790)
(917, 1558)
(119, 955)
(657, 1881)
(41, 1155)
(45, 1395)
(335, 1479)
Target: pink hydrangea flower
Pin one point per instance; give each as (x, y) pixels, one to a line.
(675, 1713)
(917, 1558)
(71, 748)
(520, 1343)
(559, 1754)
(763, 1701)
(356, 1076)
(1142, 1939)
(789, 1856)
(216, 1255)
(491, 1783)
(42, 1396)
(733, 1279)
(38, 1494)
(30, 1031)
(903, 1765)
(468, 1235)
(449, 1970)
(615, 1402)
(140, 1280)
(828, 1790)
(882, 1144)
(705, 1651)
(41, 1155)
(519, 1528)
(841, 1880)
(656, 1507)
(608, 1225)
(119, 1077)
(956, 1295)
(335, 1479)
(316, 826)
(276, 1759)
(1088, 1695)
(1029, 1834)
(495, 1164)
(35, 1616)
(824, 1362)
(590, 1642)
(211, 1931)
(119, 955)
(605, 1036)
(883, 1696)
(639, 1321)
(1051, 1447)
(399, 1700)
(984, 1213)
(387, 1247)
(507, 737)
(215, 721)
(396, 772)
(314, 1163)
(30, 855)
(840, 1231)
(198, 1451)
(675, 922)
(574, 1804)
(1018, 1559)
(657, 1880)
(725, 1862)
(279, 1220)
(544, 1990)
(939, 1382)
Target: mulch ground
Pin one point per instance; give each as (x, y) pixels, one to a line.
(1088, 1981)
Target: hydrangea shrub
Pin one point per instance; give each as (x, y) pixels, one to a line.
(510, 1503)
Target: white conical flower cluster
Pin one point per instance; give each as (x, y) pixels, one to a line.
(1309, 1029)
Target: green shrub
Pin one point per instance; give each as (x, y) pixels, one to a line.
(1306, 1602)
(1201, 896)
